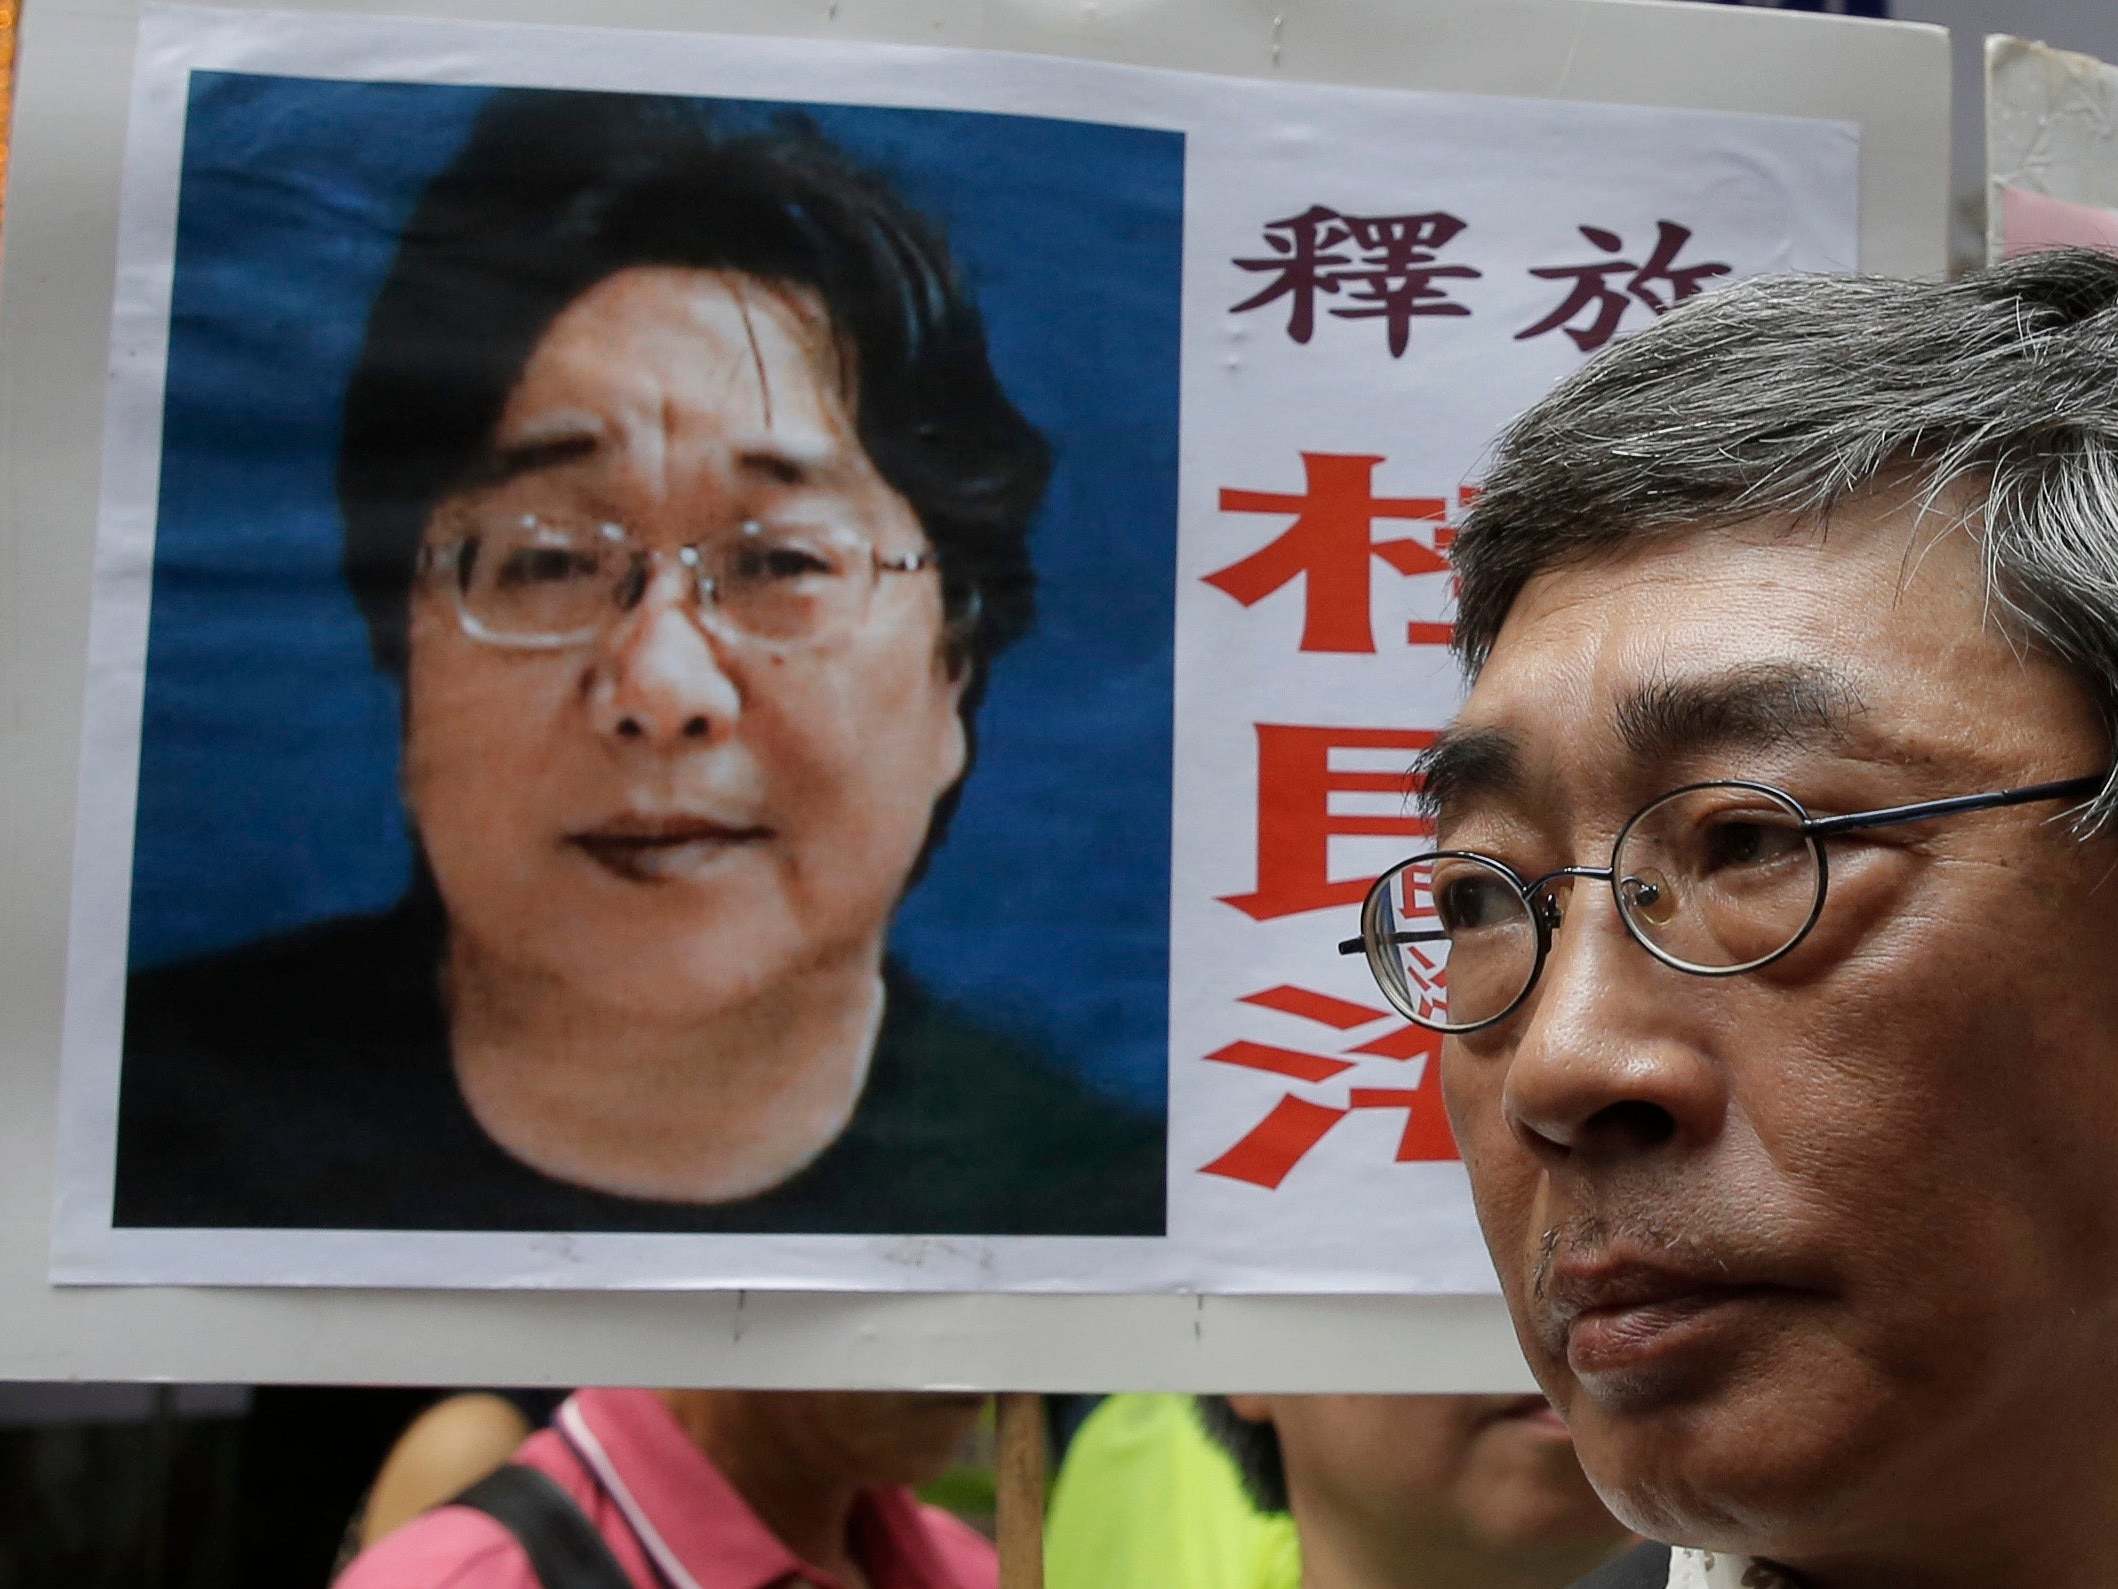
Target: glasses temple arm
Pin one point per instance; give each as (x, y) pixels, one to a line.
(1354, 946)
(1890, 816)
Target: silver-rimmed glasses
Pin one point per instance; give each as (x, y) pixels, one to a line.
(529, 582)
(1713, 879)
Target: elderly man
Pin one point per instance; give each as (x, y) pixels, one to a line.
(1775, 864)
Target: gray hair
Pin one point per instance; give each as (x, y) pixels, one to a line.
(1789, 395)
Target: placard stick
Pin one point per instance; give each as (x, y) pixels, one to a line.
(1018, 1490)
(10, 19)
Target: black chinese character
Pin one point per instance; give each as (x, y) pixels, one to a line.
(1592, 295)
(1390, 273)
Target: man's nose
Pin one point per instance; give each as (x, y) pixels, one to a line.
(658, 678)
(1604, 1062)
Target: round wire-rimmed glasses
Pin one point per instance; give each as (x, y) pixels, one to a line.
(1713, 879)
(530, 583)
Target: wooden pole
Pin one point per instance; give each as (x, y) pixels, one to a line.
(1018, 1490)
(10, 18)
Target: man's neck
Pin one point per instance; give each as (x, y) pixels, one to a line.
(806, 1507)
(705, 1109)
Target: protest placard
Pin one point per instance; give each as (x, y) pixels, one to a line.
(1260, 327)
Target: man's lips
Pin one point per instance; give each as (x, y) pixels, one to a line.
(651, 849)
(1608, 1316)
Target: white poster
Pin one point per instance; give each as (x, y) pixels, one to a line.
(745, 663)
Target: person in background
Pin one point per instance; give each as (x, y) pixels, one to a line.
(711, 1489)
(1323, 1492)
(449, 1447)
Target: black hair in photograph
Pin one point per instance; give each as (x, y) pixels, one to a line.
(553, 192)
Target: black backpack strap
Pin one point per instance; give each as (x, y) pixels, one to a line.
(563, 1546)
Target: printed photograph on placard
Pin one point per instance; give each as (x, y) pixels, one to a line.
(771, 662)
(657, 700)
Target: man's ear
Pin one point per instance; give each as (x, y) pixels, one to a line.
(1251, 1409)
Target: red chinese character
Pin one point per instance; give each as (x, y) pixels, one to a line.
(1424, 632)
(1427, 1137)
(1592, 290)
(1268, 1152)
(1277, 1143)
(1296, 823)
(1329, 546)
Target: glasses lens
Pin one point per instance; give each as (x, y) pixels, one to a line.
(529, 581)
(1450, 940)
(786, 583)
(1720, 878)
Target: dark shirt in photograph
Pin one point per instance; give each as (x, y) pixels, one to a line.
(304, 1082)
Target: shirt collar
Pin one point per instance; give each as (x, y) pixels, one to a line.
(1707, 1569)
(710, 1528)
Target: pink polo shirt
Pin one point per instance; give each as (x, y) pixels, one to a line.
(681, 1497)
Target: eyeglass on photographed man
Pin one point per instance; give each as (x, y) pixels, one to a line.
(682, 497)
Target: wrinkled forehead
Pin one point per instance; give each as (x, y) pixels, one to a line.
(1864, 637)
(658, 372)
(666, 343)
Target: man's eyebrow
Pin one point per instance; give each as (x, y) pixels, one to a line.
(1758, 705)
(1754, 706)
(511, 461)
(777, 465)
(785, 466)
(1463, 764)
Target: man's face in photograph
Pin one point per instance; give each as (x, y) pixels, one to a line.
(724, 774)
(1796, 1251)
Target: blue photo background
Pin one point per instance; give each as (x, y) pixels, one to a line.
(268, 757)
